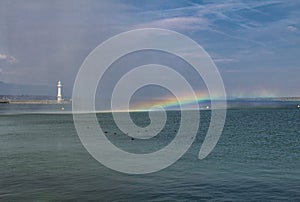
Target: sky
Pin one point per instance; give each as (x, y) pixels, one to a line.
(254, 44)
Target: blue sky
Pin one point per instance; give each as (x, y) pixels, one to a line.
(255, 44)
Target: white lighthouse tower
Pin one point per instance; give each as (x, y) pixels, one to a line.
(59, 96)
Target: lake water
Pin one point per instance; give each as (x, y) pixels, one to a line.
(256, 159)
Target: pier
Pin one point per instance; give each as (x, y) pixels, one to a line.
(33, 102)
(4, 101)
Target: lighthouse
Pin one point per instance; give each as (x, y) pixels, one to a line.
(59, 96)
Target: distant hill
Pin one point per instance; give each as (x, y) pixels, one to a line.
(17, 89)
(269, 99)
(27, 97)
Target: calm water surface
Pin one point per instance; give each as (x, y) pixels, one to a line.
(257, 159)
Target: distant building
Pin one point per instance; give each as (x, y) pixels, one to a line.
(59, 96)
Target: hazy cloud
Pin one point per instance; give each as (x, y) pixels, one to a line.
(178, 23)
(225, 60)
(292, 28)
(255, 43)
(7, 59)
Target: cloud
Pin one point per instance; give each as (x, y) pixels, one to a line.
(8, 59)
(292, 28)
(179, 23)
(3, 57)
(250, 38)
(213, 17)
(225, 60)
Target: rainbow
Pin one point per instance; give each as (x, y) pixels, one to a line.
(171, 102)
